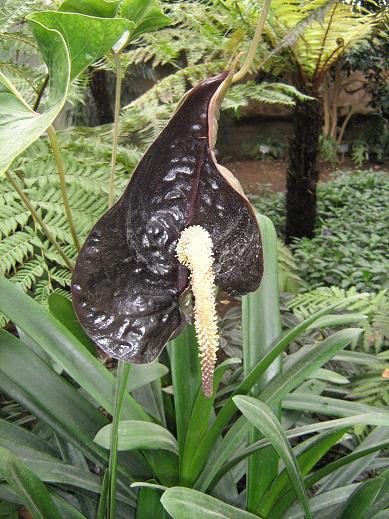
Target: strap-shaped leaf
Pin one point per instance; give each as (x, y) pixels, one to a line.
(262, 417)
(27, 486)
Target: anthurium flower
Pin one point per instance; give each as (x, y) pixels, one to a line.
(129, 279)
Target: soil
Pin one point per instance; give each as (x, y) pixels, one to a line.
(264, 176)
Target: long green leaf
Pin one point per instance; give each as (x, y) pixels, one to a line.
(207, 443)
(185, 371)
(262, 417)
(28, 445)
(64, 348)
(321, 502)
(358, 504)
(199, 420)
(309, 360)
(306, 461)
(149, 504)
(261, 325)
(373, 418)
(184, 503)
(27, 379)
(30, 489)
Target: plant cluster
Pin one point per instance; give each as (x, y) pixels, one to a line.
(349, 248)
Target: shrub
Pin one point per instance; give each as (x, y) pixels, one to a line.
(350, 245)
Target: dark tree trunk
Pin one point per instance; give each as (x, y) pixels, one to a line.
(102, 96)
(302, 174)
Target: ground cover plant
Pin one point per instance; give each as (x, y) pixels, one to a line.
(349, 247)
(271, 432)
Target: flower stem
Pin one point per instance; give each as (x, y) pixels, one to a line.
(57, 156)
(39, 220)
(123, 368)
(116, 127)
(121, 385)
(254, 44)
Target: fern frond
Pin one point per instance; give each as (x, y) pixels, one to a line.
(29, 273)
(15, 249)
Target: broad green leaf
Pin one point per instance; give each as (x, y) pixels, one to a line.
(62, 309)
(262, 417)
(19, 125)
(87, 38)
(135, 434)
(358, 504)
(146, 14)
(98, 8)
(64, 349)
(30, 489)
(184, 503)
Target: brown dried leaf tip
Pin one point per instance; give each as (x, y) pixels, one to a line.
(128, 282)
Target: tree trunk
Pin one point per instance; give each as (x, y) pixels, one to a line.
(302, 174)
(102, 96)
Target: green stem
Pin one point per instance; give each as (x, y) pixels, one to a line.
(57, 156)
(254, 44)
(123, 368)
(116, 128)
(120, 388)
(39, 220)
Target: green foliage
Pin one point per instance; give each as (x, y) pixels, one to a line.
(60, 451)
(25, 254)
(349, 248)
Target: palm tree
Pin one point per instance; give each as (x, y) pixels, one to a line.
(321, 32)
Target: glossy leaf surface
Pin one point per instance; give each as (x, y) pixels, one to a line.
(127, 281)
